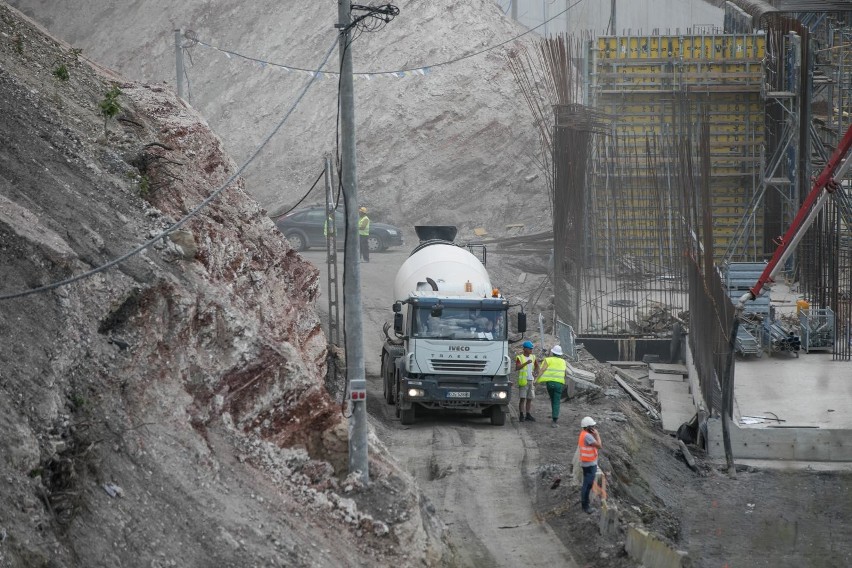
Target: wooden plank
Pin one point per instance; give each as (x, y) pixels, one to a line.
(635, 395)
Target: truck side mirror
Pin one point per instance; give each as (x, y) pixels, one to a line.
(397, 307)
(397, 322)
(522, 322)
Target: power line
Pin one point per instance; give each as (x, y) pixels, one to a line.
(189, 215)
(316, 181)
(424, 69)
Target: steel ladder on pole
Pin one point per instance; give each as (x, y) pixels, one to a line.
(331, 259)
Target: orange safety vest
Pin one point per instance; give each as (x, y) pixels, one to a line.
(587, 453)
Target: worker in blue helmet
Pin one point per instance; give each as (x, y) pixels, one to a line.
(527, 367)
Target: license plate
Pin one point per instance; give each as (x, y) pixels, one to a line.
(458, 394)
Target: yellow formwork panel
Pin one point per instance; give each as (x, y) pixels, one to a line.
(713, 46)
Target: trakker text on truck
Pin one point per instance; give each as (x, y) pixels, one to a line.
(449, 349)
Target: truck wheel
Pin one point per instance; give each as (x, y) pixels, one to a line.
(390, 397)
(406, 417)
(498, 415)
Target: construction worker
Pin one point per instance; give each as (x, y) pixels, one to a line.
(552, 372)
(526, 365)
(329, 220)
(589, 443)
(364, 234)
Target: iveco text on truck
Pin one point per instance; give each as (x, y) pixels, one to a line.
(449, 349)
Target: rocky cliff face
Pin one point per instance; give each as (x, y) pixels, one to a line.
(170, 410)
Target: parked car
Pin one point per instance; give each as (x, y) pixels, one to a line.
(304, 229)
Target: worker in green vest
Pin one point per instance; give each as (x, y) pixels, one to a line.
(552, 372)
(364, 234)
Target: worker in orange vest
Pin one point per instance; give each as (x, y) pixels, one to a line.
(589, 444)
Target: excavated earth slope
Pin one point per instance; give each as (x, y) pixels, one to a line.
(166, 411)
(455, 146)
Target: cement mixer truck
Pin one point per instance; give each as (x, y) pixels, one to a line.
(449, 347)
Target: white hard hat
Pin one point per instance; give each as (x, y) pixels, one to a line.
(587, 421)
(556, 350)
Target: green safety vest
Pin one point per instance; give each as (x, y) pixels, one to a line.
(555, 370)
(364, 226)
(525, 374)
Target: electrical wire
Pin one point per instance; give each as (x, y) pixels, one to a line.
(316, 181)
(189, 215)
(191, 36)
(186, 75)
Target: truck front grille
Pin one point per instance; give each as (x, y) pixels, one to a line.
(457, 365)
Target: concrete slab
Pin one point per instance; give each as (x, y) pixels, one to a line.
(580, 373)
(669, 368)
(673, 404)
(647, 549)
(784, 465)
(671, 389)
(811, 390)
(657, 376)
(632, 374)
(672, 420)
(676, 404)
(629, 364)
(812, 394)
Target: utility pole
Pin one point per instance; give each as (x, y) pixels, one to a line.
(514, 4)
(352, 308)
(179, 61)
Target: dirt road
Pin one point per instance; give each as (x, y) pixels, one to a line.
(480, 478)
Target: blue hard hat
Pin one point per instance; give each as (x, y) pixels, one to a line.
(528, 344)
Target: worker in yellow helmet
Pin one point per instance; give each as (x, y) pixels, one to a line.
(364, 234)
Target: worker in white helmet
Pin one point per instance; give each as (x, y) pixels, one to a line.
(552, 372)
(589, 443)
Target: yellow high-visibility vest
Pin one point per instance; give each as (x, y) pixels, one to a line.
(555, 370)
(525, 375)
(364, 226)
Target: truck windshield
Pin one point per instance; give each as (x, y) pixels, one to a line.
(459, 323)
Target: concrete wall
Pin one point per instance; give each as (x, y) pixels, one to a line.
(795, 444)
(616, 348)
